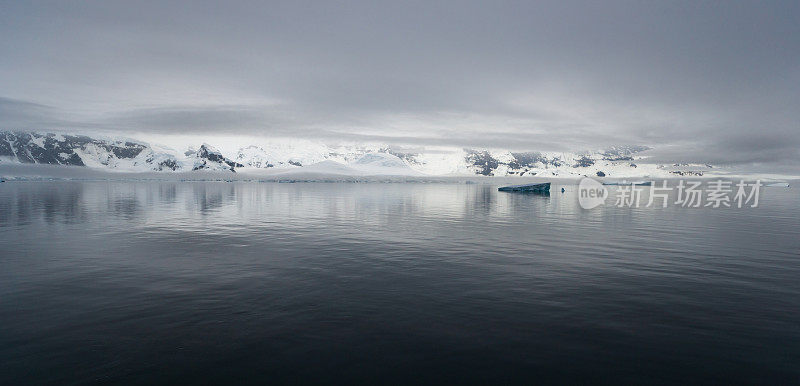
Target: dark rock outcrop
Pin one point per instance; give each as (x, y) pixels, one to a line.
(210, 158)
(584, 162)
(483, 162)
(56, 149)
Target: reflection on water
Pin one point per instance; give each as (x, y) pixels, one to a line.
(221, 282)
(63, 201)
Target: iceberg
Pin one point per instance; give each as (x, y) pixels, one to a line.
(541, 188)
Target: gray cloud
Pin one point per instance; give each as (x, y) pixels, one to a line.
(26, 115)
(739, 149)
(201, 119)
(717, 80)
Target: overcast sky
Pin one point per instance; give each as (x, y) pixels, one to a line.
(707, 81)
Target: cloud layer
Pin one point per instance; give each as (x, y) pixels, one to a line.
(710, 81)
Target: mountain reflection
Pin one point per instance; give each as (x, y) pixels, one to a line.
(23, 203)
(240, 203)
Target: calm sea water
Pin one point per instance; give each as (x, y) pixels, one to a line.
(400, 283)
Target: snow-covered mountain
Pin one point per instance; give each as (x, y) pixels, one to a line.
(383, 164)
(209, 158)
(282, 156)
(254, 157)
(79, 150)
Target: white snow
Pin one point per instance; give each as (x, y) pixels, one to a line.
(254, 157)
(38, 140)
(375, 159)
(324, 167)
(383, 164)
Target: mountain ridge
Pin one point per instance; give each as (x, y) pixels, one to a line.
(125, 154)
